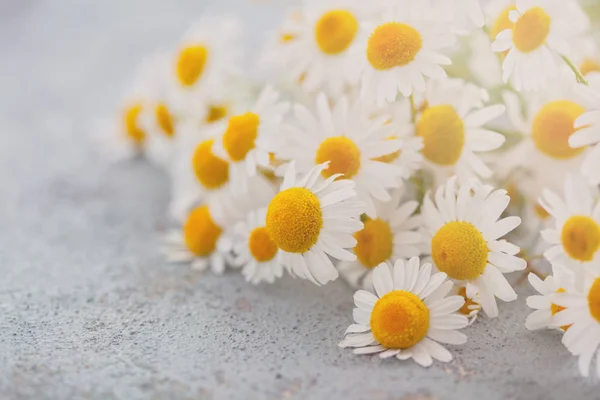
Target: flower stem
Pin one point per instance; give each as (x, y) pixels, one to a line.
(578, 74)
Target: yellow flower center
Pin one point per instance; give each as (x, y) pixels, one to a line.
(594, 299)
(130, 120)
(201, 232)
(531, 30)
(211, 171)
(240, 135)
(393, 44)
(335, 31)
(581, 238)
(465, 310)
(343, 156)
(589, 65)
(459, 250)
(554, 308)
(215, 113)
(399, 320)
(374, 243)
(164, 120)
(190, 64)
(261, 246)
(287, 37)
(389, 158)
(502, 22)
(443, 133)
(294, 220)
(552, 127)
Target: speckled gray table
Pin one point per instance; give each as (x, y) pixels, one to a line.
(89, 310)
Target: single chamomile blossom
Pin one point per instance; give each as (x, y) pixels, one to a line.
(538, 35)
(463, 234)
(541, 318)
(311, 218)
(452, 126)
(575, 238)
(408, 317)
(254, 251)
(344, 136)
(587, 127)
(400, 49)
(390, 236)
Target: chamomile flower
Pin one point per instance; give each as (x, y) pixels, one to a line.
(464, 15)
(539, 33)
(390, 236)
(588, 128)
(408, 317)
(255, 252)
(248, 137)
(311, 218)
(464, 235)
(400, 49)
(541, 318)
(581, 315)
(345, 137)
(452, 126)
(575, 238)
(472, 305)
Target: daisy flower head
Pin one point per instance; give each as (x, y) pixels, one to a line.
(350, 141)
(390, 236)
(255, 252)
(452, 125)
(248, 138)
(580, 315)
(408, 317)
(575, 237)
(464, 15)
(400, 49)
(464, 234)
(472, 305)
(537, 36)
(542, 303)
(311, 218)
(587, 128)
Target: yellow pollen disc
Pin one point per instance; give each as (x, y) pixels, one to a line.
(459, 250)
(164, 120)
(465, 310)
(589, 65)
(201, 232)
(531, 30)
(393, 44)
(541, 212)
(215, 113)
(190, 64)
(130, 120)
(343, 156)
(581, 238)
(594, 299)
(211, 171)
(261, 246)
(287, 37)
(556, 309)
(553, 126)
(399, 320)
(294, 220)
(335, 31)
(443, 133)
(389, 158)
(374, 243)
(502, 22)
(240, 135)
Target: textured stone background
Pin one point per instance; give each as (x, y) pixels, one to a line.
(89, 310)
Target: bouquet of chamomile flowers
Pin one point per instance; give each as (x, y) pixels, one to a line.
(420, 150)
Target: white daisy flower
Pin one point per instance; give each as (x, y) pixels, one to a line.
(472, 304)
(541, 318)
(463, 232)
(464, 15)
(350, 141)
(310, 218)
(402, 48)
(582, 318)
(587, 127)
(408, 317)
(248, 138)
(585, 55)
(255, 252)
(452, 126)
(540, 33)
(575, 238)
(390, 236)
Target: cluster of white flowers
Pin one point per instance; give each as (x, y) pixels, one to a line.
(393, 143)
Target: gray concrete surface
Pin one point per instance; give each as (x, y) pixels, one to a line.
(88, 310)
